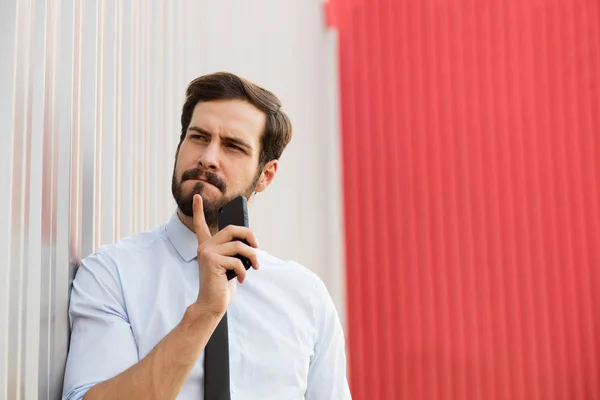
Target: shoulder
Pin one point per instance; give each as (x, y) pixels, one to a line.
(288, 270)
(300, 289)
(294, 278)
(141, 242)
(102, 272)
(130, 251)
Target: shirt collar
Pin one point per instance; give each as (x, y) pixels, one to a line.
(184, 240)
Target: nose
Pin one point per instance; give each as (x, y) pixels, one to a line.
(209, 159)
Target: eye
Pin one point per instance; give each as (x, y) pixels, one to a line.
(235, 147)
(197, 137)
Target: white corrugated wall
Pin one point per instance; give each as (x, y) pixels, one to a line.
(91, 95)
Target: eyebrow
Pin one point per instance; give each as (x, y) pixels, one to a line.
(229, 139)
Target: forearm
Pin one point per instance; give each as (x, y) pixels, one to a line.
(162, 373)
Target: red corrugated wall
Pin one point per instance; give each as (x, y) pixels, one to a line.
(471, 146)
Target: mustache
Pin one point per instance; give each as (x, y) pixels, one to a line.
(210, 177)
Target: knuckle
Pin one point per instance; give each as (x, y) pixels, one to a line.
(205, 254)
(240, 265)
(203, 249)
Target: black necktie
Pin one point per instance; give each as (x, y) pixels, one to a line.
(216, 364)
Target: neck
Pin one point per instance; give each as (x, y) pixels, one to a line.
(189, 223)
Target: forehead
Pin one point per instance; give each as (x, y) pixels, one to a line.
(230, 117)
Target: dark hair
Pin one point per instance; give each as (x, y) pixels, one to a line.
(227, 86)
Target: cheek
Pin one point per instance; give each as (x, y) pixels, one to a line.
(240, 177)
(177, 170)
(183, 162)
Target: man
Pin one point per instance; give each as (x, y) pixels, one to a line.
(142, 310)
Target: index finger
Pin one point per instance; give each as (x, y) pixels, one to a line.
(200, 226)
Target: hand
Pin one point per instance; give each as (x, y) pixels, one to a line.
(216, 254)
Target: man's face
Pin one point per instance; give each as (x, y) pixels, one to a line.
(218, 158)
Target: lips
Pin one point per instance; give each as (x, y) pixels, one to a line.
(205, 177)
(204, 181)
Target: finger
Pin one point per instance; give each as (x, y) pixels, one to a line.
(200, 227)
(232, 232)
(238, 248)
(233, 263)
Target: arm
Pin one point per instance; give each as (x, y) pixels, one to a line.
(327, 371)
(162, 373)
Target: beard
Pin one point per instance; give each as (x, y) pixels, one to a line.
(185, 201)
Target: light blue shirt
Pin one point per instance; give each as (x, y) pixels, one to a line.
(285, 338)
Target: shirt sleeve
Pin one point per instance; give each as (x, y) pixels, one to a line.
(327, 371)
(102, 344)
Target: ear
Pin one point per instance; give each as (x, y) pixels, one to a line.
(267, 175)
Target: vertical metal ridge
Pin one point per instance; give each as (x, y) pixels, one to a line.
(497, 296)
(437, 285)
(129, 120)
(426, 159)
(135, 117)
(460, 158)
(88, 125)
(365, 158)
(63, 51)
(44, 112)
(154, 160)
(145, 116)
(107, 129)
(447, 367)
(28, 237)
(506, 210)
(415, 371)
(538, 326)
(170, 123)
(397, 287)
(99, 125)
(159, 95)
(522, 220)
(432, 221)
(354, 293)
(561, 213)
(9, 41)
(411, 246)
(549, 123)
(586, 187)
(383, 160)
(19, 205)
(574, 171)
(55, 198)
(75, 231)
(476, 275)
(504, 141)
(376, 167)
(483, 285)
(590, 146)
(117, 125)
